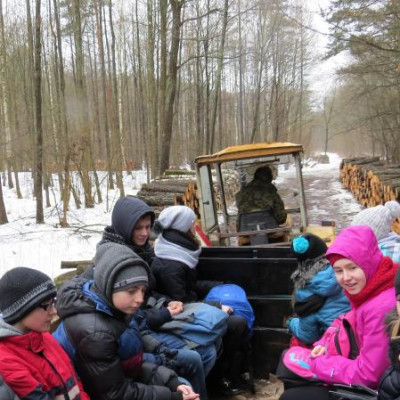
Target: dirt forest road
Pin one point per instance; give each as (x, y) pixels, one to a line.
(325, 197)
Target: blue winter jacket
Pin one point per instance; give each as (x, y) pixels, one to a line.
(311, 327)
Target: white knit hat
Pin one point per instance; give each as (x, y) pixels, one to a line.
(180, 218)
(379, 218)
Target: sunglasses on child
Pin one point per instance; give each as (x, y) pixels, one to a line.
(47, 306)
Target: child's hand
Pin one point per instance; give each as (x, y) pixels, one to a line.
(227, 309)
(318, 351)
(187, 392)
(175, 307)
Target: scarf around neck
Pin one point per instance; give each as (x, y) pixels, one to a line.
(181, 250)
(382, 279)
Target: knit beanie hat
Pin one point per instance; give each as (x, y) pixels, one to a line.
(22, 290)
(379, 218)
(308, 247)
(117, 267)
(132, 275)
(180, 218)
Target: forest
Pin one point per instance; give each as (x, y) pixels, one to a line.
(117, 85)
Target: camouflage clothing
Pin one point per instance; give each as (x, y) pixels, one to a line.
(259, 195)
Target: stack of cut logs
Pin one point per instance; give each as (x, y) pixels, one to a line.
(167, 192)
(372, 181)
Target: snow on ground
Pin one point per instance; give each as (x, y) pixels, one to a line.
(44, 246)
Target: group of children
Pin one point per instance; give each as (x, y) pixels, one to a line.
(109, 346)
(110, 317)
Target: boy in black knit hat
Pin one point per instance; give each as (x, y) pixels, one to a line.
(32, 363)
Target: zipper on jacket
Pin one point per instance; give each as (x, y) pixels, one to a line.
(65, 389)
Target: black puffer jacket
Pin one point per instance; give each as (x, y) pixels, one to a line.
(5, 392)
(389, 386)
(94, 333)
(175, 278)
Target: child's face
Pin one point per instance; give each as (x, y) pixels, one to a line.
(129, 301)
(141, 231)
(349, 276)
(38, 320)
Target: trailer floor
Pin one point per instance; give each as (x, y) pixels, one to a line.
(265, 390)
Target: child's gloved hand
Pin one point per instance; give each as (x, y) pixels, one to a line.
(165, 356)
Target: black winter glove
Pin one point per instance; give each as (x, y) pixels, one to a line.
(165, 356)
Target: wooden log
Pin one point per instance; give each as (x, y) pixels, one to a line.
(388, 174)
(164, 199)
(76, 264)
(155, 187)
(172, 182)
(366, 160)
(179, 172)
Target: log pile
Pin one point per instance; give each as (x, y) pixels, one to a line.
(182, 190)
(371, 181)
(165, 192)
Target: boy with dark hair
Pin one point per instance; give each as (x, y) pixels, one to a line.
(99, 332)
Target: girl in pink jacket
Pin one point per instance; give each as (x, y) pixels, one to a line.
(367, 277)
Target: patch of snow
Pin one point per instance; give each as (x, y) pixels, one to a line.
(23, 242)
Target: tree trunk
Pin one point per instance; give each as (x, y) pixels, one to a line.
(176, 6)
(82, 100)
(38, 109)
(3, 213)
(99, 32)
(4, 91)
(116, 122)
(152, 119)
(217, 88)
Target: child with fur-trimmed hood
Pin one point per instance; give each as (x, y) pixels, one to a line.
(318, 298)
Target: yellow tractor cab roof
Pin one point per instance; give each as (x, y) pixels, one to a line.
(248, 151)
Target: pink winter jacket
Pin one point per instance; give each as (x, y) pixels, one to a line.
(358, 243)
(373, 342)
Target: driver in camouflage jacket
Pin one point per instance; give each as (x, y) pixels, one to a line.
(260, 194)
